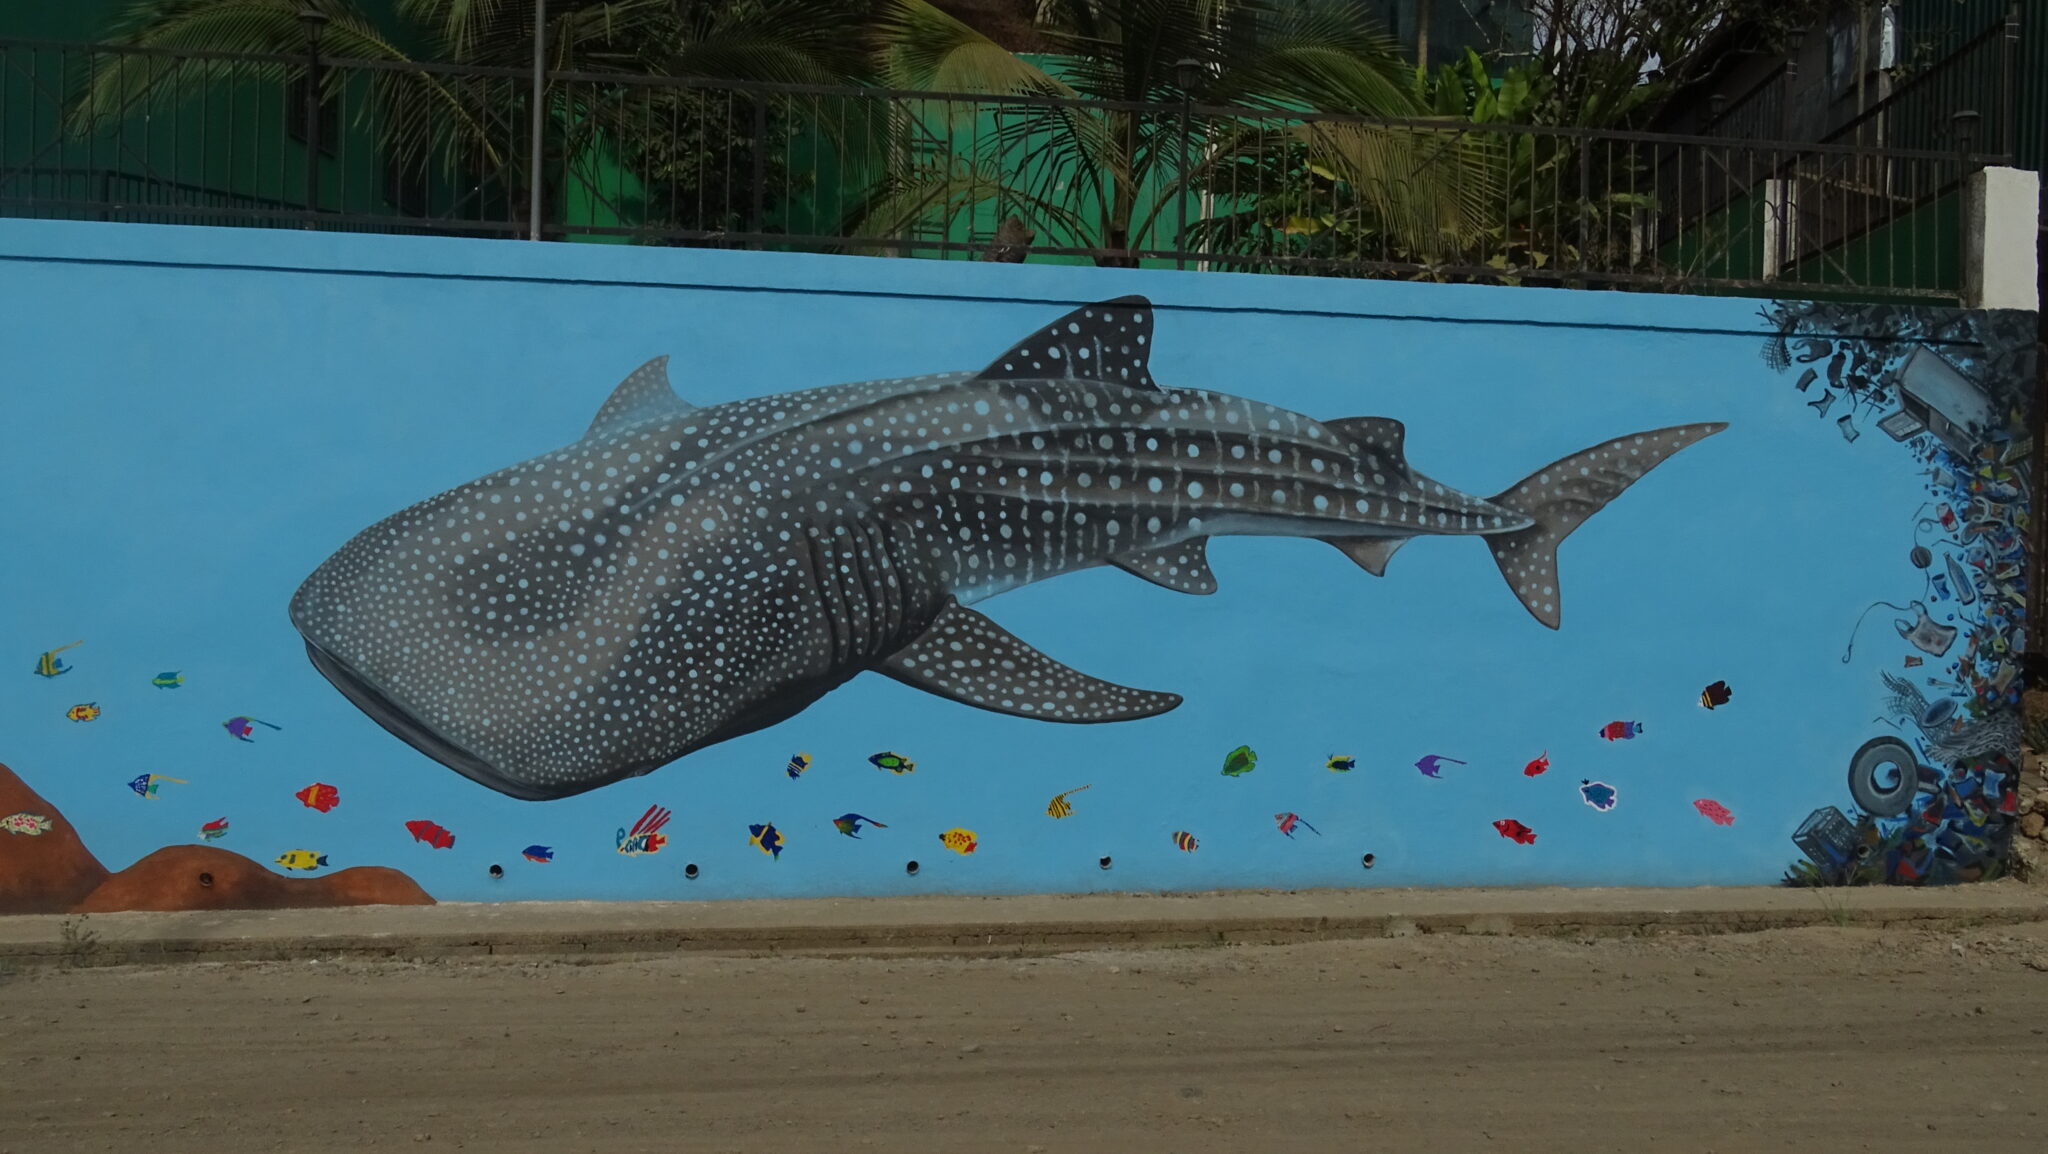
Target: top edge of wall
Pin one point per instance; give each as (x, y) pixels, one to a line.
(293, 251)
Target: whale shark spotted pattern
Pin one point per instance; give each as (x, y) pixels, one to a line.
(681, 576)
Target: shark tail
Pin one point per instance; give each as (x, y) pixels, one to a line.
(1560, 497)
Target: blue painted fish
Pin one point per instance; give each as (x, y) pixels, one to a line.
(168, 680)
(1432, 765)
(147, 784)
(797, 765)
(826, 532)
(849, 824)
(539, 853)
(766, 838)
(50, 665)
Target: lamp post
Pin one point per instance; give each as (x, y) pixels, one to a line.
(1187, 72)
(314, 20)
(540, 46)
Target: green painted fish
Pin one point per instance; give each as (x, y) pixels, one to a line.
(170, 680)
(1240, 761)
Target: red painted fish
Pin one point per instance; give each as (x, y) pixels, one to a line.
(1714, 811)
(320, 796)
(1537, 767)
(1515, 831)
(430, 833)
(1621, 730)
(646, 836)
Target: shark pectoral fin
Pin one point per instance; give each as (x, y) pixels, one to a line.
(1371, 553)
(1111, 341)
(1560, 496)
(644, 393)
(969, 659)
(1183, 568)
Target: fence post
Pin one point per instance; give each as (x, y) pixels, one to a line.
(314, 20)
(1187, 73)
(1964, 124)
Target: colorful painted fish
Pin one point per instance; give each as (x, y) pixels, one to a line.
(960, 841)
(797, 765)
(1515, 831)
(1184, 841)
(1432, 765)
(214, 830)
(168, 680)
(1714, 811)
(25, 824)
(147, 784)
(87, 712)
(319, 796)
(895, 763)
(1341, 763)
(1621, 730)
(1599, 794)
(240, 728)
(766, 838)
(1059, 806)
(1715, 694)
(433, 835)
(645, 836)
(1290, 820)
(50, 665)
(301, 859)
(539, 853)
(849, 824)
(1240, 761)
(1538, 767)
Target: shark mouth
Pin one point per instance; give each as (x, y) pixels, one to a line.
(413, 732)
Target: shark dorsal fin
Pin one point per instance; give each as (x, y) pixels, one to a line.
(644, 393)
(1383, 434)
(1110, 341)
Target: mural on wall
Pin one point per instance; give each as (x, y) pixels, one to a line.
(682, 576)
(1934, 797)
(708, 584)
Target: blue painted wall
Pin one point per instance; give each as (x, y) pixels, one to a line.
(191, 420)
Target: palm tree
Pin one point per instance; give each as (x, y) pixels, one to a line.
(1102, 162)
(473, 129)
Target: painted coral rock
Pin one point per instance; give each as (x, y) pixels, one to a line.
(47, 871)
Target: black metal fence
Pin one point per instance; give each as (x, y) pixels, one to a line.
(95, 132)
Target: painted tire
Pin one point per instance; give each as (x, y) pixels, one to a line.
(1873, 797)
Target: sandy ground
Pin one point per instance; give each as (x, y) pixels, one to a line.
(1825, 1039)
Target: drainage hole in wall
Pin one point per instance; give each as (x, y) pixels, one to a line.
(497, 871)
(910, 867)
(206, 880)
(1366, 861)
(1103, 861)
(690, 871)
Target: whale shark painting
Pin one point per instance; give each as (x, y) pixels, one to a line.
(681, 576)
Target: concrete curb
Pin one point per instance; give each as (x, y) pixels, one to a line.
(975, 927)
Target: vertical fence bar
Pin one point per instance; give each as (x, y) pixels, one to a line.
(2008, 83)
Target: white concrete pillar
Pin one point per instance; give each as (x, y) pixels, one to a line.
(2001, 254)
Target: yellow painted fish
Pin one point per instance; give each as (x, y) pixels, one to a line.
(960, 841)
(301, 859)
(1059, 806)
(86, 712)
(49, 665)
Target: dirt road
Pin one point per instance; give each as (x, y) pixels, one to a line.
(1797, 1040)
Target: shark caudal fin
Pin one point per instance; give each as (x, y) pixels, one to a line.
(1560, 496)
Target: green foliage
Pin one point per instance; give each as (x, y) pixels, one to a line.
(470, 131)
(1108, 178)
